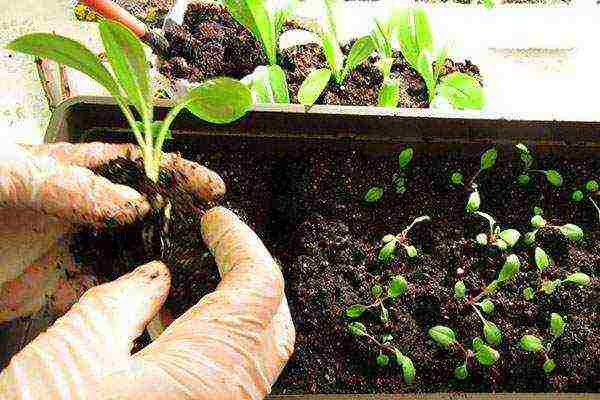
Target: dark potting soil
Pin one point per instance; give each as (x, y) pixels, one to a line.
(211, 43)
(308, 207)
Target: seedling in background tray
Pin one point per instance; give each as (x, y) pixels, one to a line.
(219, 100)
(391, 242)
(591, 189)
(415, 38)
(397, 287)
(491, 332)
(389, 93)
(569, 231)
(386, 349)
(551, 175)
(483, 354)
(375, 193)
(503, 239)
(264, 24)
(534, 344)
(340, 66)
(268, 85)
(488, 159)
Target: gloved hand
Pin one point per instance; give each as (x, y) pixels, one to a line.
(231, 345)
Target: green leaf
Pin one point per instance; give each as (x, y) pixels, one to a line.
(550, 287)
(537, 211)
(278, 84)
(557, 325)
(376, 290)
(425, 69)
(361, 49)
(486, 355)
(488, 159)
(501, 244)
(510, 236)
(461, 372)
(554, 177)
(385, 66)
(385, 314)
(357, 329)
(487, 306)
(332, 10)
(579, 278)
(537, 221)
(261, 85)
(510, 268)
(383, 360)
(440, 61)
(522, 148)
(313, 86)
(443, 335)
(528, 293)
(333, 55)
(477, 343)
(411, 251)
(549, 365)
(219, 100)
(474, 202)
(67, 52)
(577, 196)
(456, 178)
(387, 252)
(489, 4)
(492, 333)
(373, 194)
(541, 259)
(523, 180)
(492, 287)
(265, 28)
(240, 11)
(414, 34)
(460, 290)
(282, 14)
(462, 91)
(381, 36)
(405, 156)
(481, 239)
(389, 94)
(529, 238)
(388, 238)
(572, 232)
(128, 61)
(356, 310)
(591, 186)
(398, 286)
(408, 368)
(531, 343)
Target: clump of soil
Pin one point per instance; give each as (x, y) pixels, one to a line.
(307, 205)
(211, 43)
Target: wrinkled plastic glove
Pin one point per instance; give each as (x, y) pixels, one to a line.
(231, 345)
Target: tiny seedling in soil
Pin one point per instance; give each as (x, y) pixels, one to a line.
(386, 347)
(340, 66)
(265, 24)
(482, 353)
(569, 231)
(391, 242)
(375, 193)
(591, 189)
(491, 332)
(552, 175)
(415, 39)
(534, 344)
(397, 287)
(542, 262)
(487, 161)
(501, 238)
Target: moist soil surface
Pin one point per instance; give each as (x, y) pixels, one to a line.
(308, 206)
(211, 43)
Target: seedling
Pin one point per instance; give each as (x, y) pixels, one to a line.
(415, 38)
(389, 93)
(543, 261)
(264, 24)
(386, 347)
(503, 239)
(482, 353)
(397, 287)
(491, 332)
(391, 242)
(591, 189)
(375, 193)
(569, 231)
(268, 85)
(220, 100)
(488, 159)
(551, 175)
(534, 344)
(339, 65)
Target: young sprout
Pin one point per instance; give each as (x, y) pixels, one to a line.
(375, 193)
(483, 354)
(387, 252)
(488, 159)
(543, 261)
(389, 93)
(386, 348)
(397, 287)
(533, 344)
(503, 239)
(268, 85)
(551, 175)
(569, 231)
(591, 188)
(491, 332)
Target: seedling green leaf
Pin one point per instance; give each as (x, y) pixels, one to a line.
(492, 333)
(572, 232)
(357, 329)
(528, 293)
(554, 177)
(414, 34)
(405, 157)
(510, 268)
(461, 372)
(549, 365)
(487, 306)
(373, 194)
(579, 278)
(383, 360)
(219, 100)
(487, 355)
(359, 52)
(376, 291)
(531, 343)
(456, 178)
(443, 335)
(411, 251)
(488, 159)
(591, 186)
(408, 368)
(537, 221)
(557, 325)
(462, 91)
(389, 94)
(474, 202)
(577, 196)
(541, 259)
(481, 239)
(550, 287)
(460, 290)
(387, 252)
(355, 310)
(510, 236)
(398, 286)
(313, 86)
